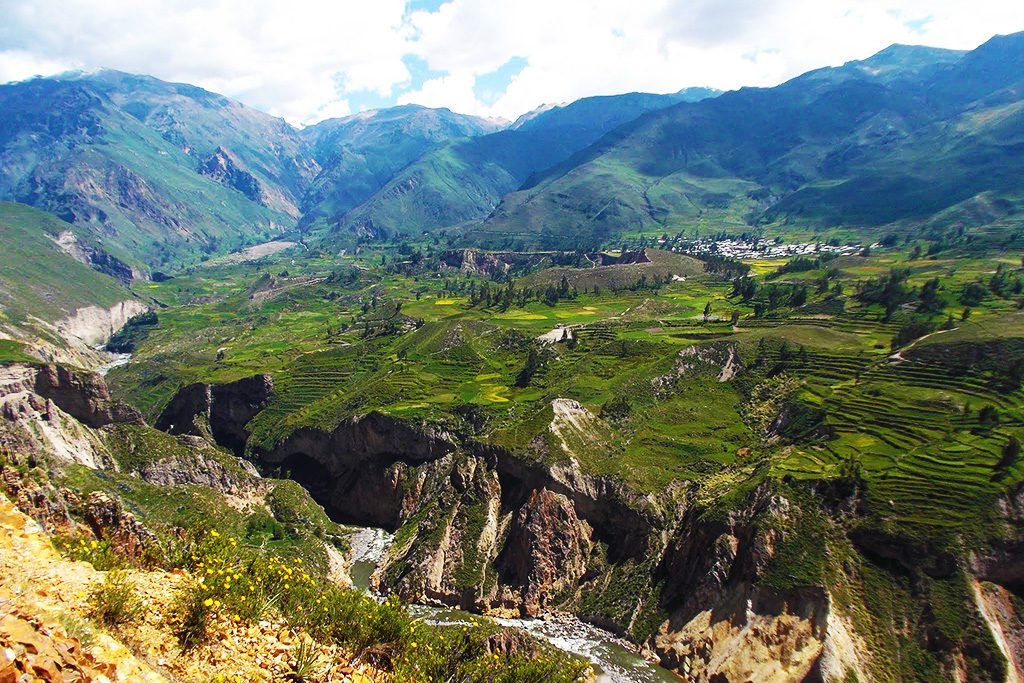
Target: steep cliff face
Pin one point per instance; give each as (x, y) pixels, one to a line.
(716, 591)
(223, 167)
(94, 257)
(84, 396)
(53, 409)
(220, 411)
(546, 550)
(94, 325)
(369, 470)
(723, 624)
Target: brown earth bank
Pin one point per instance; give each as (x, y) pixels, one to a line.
(46, 633)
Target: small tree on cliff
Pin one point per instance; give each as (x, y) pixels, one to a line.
(529, 370)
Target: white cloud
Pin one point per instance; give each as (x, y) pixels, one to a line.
(18, 65)
(285, 58)
(577, 48)
(305, 59)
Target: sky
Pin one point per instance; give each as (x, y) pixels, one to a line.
(308, 60)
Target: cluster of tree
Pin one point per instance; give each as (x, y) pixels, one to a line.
(802, 264)
(787, 357)
(775, 296)
(988, 419)
(889, 290)
(724, 266)
(892, 292)
(769, 297)
(534, 361)
(1005, 283)
(1010, 375)
(915, 328)
(134, 331)
(1010, 454)
(505, 297)
(929, 300)
(345, 276)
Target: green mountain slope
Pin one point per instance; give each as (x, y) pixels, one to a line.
(165, 174)
(465, 179)
(871, 143)
(358, 154)
(42, 281)
(146, 166)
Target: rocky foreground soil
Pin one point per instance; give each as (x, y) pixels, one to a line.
(46, 633)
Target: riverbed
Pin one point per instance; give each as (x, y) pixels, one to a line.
(117, 360)
(614, 660)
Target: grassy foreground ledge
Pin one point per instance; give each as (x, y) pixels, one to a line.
(228, 583)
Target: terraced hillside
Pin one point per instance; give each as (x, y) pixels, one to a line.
(875, 395)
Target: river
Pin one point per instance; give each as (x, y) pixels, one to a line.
(117, 360)
(613, 659)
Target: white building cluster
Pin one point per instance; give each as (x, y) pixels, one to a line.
(739, 249)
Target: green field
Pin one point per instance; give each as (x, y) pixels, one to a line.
(347, 336)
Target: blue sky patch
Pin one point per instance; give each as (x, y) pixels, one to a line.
(419, 73)
(488, 88)
(424, 5)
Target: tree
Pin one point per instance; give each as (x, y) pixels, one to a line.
(929, 302)
(529, 370)
(988, 418)
(1011, 451)
(972, 294)
(707, 311)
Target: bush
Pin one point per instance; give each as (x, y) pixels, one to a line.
(115, 601)
(244, 583)
(911, 330)
(192, 613)
(99, 554)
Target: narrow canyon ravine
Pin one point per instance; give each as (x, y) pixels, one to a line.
(611, 657)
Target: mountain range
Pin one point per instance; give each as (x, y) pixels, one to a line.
(162, 175)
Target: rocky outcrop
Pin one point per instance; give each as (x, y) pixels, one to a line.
(95, 258)
(93, 325)
(83, 396)
(747, 634)
(48, 505)
(224, 167)
(719, 359)
(488, 263)
(721, 625)
(476, 262)
(110, 522)
(202, 466)
(546, 551)
(34, 651)
(52, 409)
(220, 411)
(364, 471)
